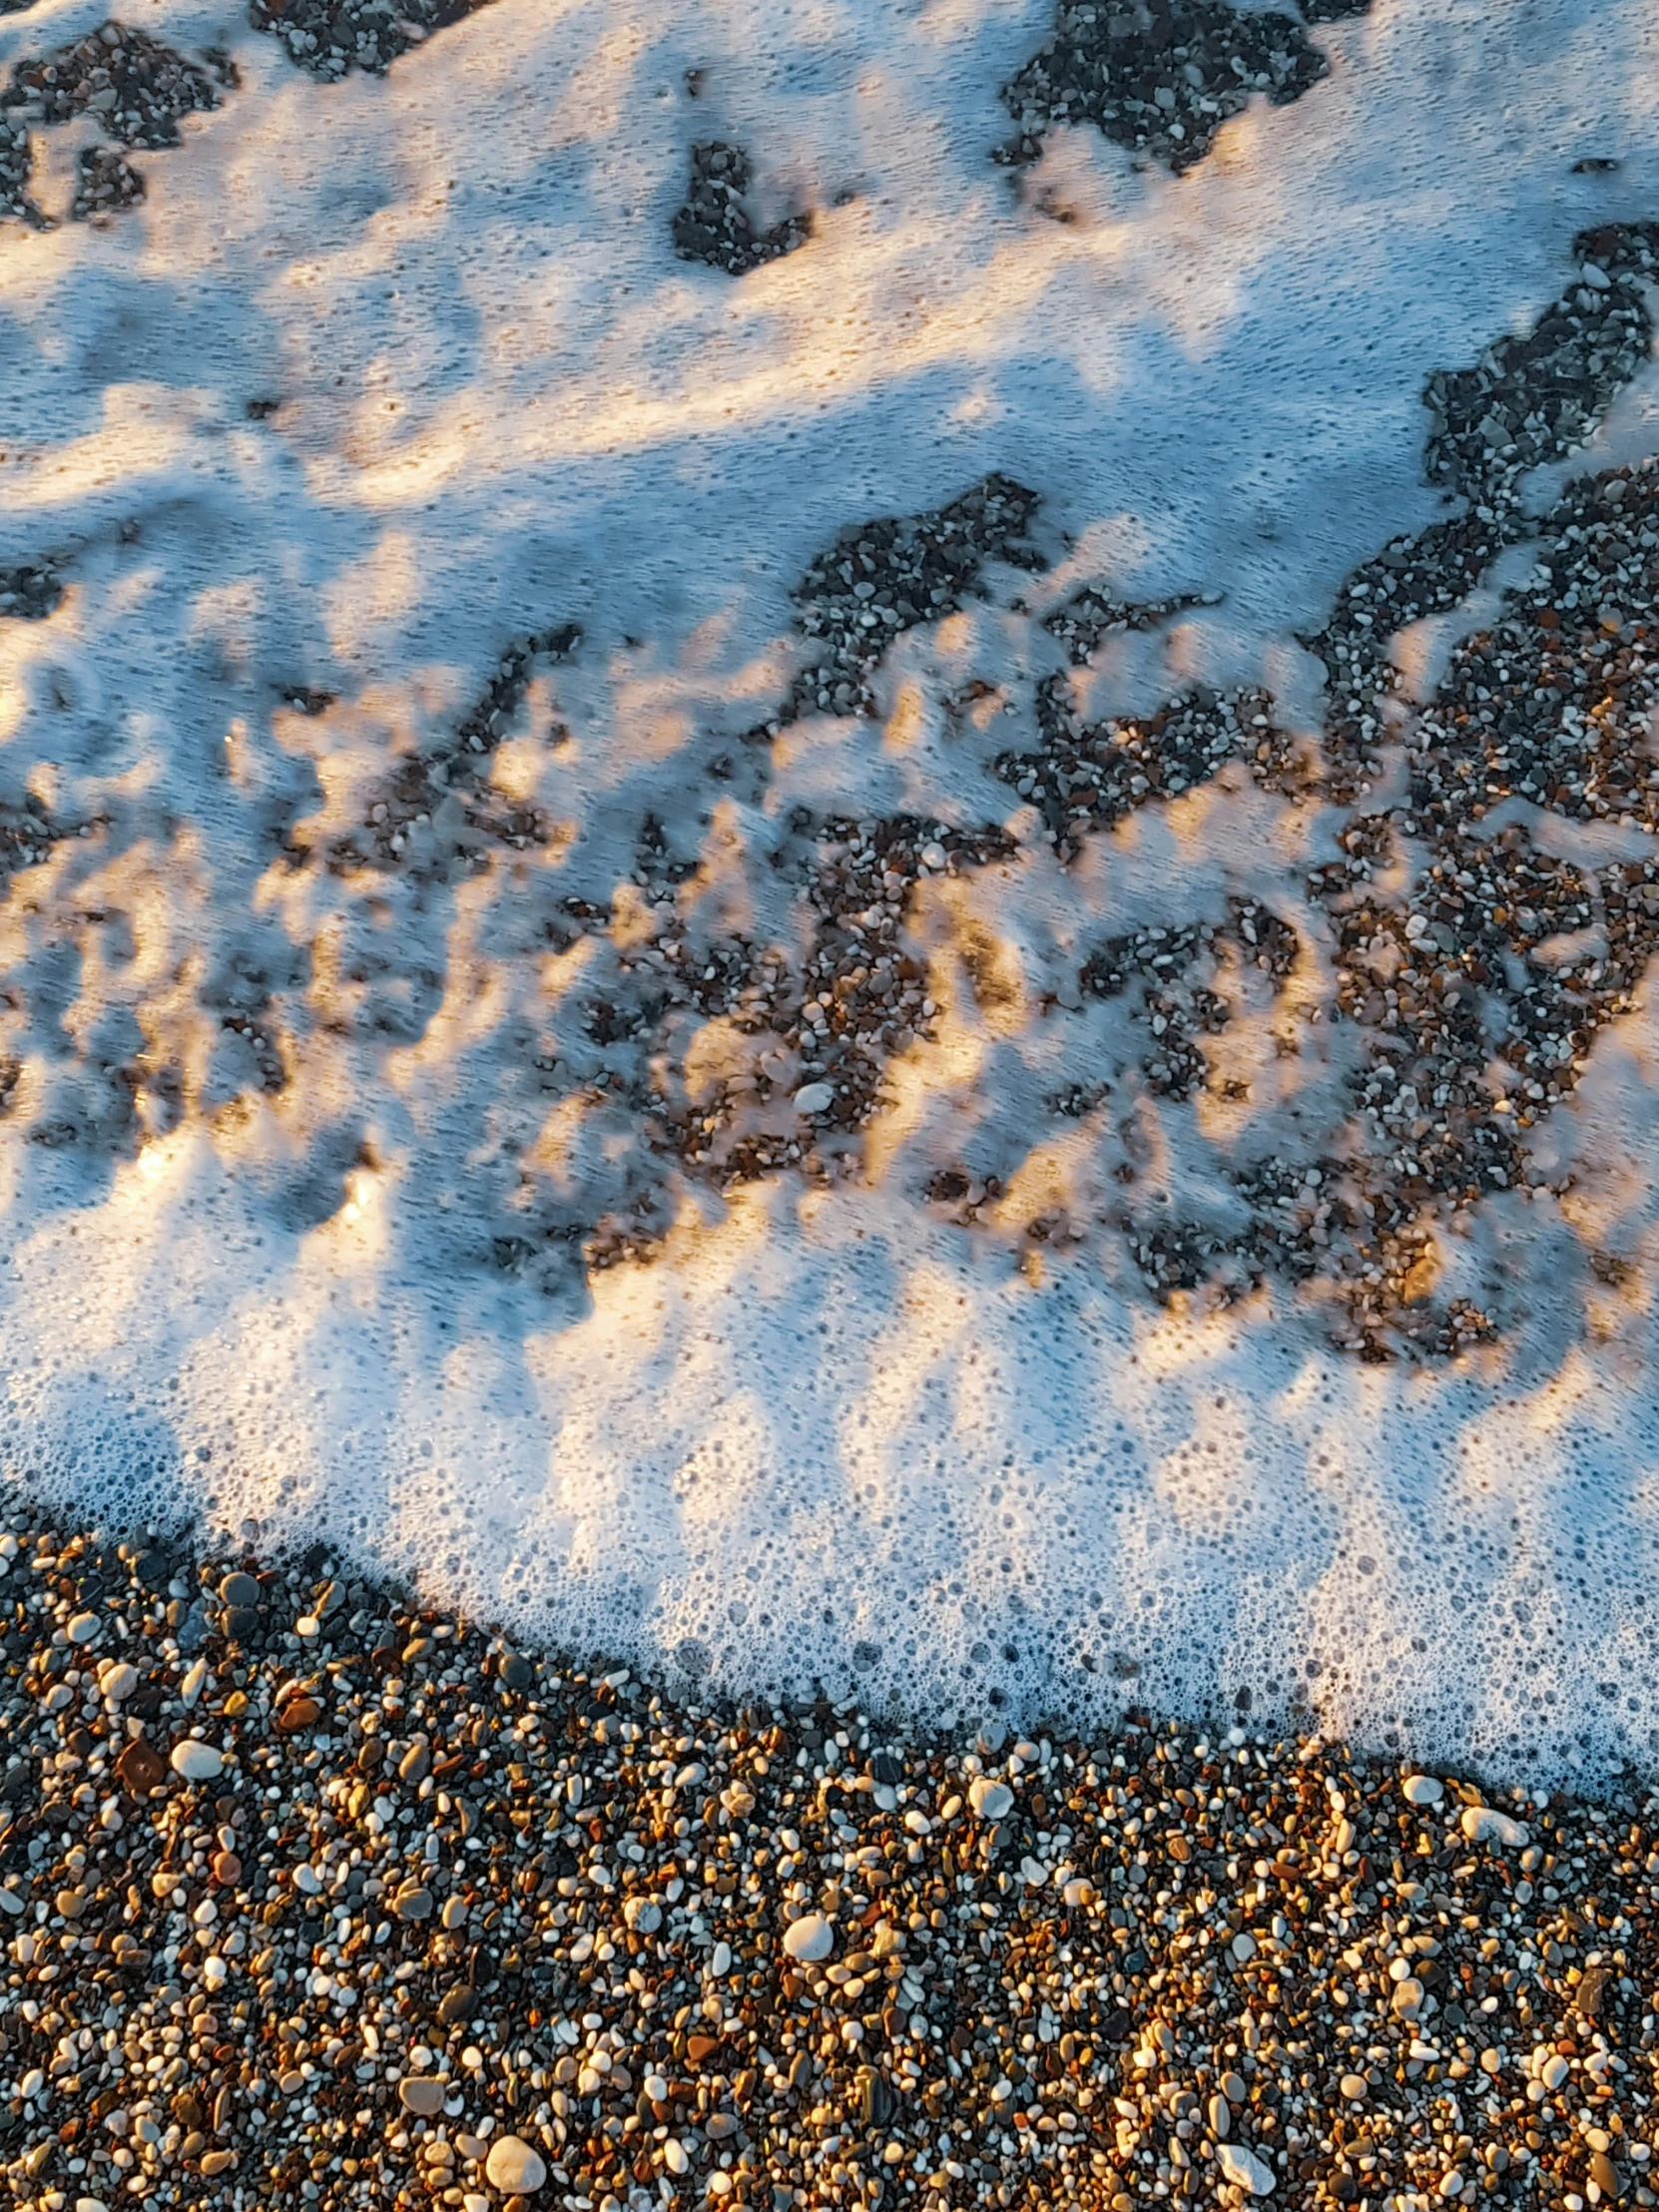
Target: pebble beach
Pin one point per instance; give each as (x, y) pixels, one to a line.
(316, 1898)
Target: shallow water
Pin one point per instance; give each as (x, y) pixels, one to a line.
(305, 1141)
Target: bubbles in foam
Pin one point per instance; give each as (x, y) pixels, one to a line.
(282, 1089)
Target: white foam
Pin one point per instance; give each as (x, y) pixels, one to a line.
(827, 1434)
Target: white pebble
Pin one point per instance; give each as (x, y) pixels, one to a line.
(193, 1761)
(1484, 1822)
(118, 1680)
(1243, 1948)
(83, 1629)
(1243, 2169)
(191, 1687)
(674, 2156)
(1553, 2071)
(815, 1098)
(1452, 2184)
(719, 1961)
(809, 1938)
(513, 2167)
(1423, 1789)
(1076, 1895)
(992, 1800)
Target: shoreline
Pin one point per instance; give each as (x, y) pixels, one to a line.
(312, 1895)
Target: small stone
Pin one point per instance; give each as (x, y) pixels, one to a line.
(226, 1869)
(1243, 2169)
(1423, 1789)
(815, 1098)
(118, 1681)
(1353, 2087)
(300, 1712)
(514, 2167)
(139, 1769)
(238, 1589)
(193, 1761)
(84, 1628)
(1486, 1824)
(1451, 2182)
(1243, 1948)
(1235, 2088)
(992, 1800)
(1605, 2175)
(413, 1905)
(1220, 2116)
(809, 1938)
(419, 2095)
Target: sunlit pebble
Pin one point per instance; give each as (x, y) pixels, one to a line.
(1199, 1938)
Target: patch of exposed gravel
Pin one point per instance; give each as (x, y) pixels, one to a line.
(888, 576)
(30, 592)
(313, 1897)
(714, 225)
(1157, 76)
(331, 37)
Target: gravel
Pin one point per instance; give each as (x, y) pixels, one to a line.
(890, 575)
(715, 226)
(1159, 76)
(133, 86)
(30, 593)
(695, 1955)
(331, 37)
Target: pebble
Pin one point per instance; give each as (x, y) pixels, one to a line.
(1423, 1789)
(195, 1761)
(513, 2167)
(809, 1938)
(1486, 1824)
(992, 1800)
(418, 2094)
(1241, 2166)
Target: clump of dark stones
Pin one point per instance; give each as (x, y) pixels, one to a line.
(329, 37)
(714, 225)
(29, 593)
(888, 576)
(1159, 77)
(105, 181)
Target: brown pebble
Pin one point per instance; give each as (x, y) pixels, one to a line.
(300, 1712)
(140, 1768)
(418, 2094)
(226, 1869)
